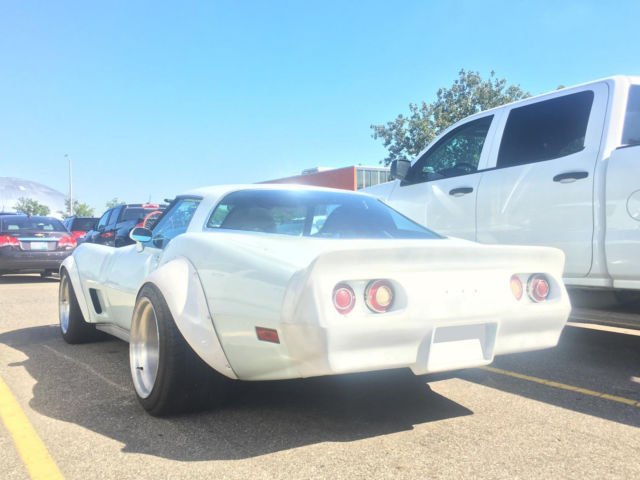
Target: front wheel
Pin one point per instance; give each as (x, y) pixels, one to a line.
(168, 376)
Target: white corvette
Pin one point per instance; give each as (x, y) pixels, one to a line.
(266, 282)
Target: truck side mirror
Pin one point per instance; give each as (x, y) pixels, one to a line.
(400, 169)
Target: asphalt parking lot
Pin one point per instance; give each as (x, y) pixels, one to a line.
(569, 412)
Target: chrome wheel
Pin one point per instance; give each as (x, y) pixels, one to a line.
(144, 347)
(63, 303)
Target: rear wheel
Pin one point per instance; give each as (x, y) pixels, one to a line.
(168, 376)
(73, 327)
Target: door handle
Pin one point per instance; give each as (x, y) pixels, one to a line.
(458, 192)
(570, 177)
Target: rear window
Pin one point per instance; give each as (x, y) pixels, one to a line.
(135, 213)
(17, 224)
(631, 132)
(546, 130)
(83, 224)
(313, 214)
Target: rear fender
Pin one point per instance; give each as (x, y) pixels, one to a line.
(181, 288)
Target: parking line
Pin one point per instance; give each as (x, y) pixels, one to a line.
(563, 386)
(32, 451)
(609, 322)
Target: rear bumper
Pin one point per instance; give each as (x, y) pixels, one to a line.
(424, 346)
(19, 261)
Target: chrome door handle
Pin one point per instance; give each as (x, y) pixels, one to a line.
(458, 192)
(570, 177)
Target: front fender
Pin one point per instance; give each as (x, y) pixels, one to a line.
(181, 288)
(69, 264)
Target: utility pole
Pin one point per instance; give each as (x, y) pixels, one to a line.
(70, 187)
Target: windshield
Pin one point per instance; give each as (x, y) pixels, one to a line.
(313, 214)
(18, 224)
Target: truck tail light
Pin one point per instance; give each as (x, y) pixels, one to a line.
(538, 287)
(343, 298)
(67, 242)
(379, 296)
(8, 241)
(516, 287)
(78, 234)
(106, 235)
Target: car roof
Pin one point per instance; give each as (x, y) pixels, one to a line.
(219, 190)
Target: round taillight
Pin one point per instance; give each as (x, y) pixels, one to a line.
(516, 287)
(343, 298)
(538, 288)
(379, 296)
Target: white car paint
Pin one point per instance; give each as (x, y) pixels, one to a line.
(591, 219)
(453, 309)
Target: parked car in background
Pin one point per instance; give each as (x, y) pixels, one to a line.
(33, 244)
(561, 169)
(264, 282)
(79, 226)
(114, 225)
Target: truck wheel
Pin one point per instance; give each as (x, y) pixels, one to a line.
(73, 327)
(168, 376)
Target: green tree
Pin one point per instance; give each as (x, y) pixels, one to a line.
(79, 209)
(31, 207)
(114, 202)
(406, 136)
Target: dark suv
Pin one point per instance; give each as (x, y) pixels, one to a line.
(115, 224)
(79, 226)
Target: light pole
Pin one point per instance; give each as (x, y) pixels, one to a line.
(70, 187)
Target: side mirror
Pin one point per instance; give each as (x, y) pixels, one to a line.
(140, 235)
(400, 169)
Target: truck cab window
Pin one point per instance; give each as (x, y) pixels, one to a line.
(631, 132)
(546, 130)
(457, 153)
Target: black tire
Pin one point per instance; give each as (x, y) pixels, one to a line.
(73, 328)
(183, 381)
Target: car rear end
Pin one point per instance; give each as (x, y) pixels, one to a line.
(30, 244)
(446, 306)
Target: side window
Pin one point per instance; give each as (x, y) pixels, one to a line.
(174, 222)
(104, 219)
(631, 132)
(114, 216)
(545, 130)
(457, 153)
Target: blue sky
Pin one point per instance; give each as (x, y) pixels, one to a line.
(151, 98)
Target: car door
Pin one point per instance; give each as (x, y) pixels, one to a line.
(129, 265)
(108, 236)
(540, 191)
(441, 186)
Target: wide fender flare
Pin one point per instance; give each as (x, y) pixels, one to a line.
(69, 264)
(180, 285)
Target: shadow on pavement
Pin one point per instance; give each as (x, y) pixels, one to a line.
(599, 361)
(26, 279)
(89, 385)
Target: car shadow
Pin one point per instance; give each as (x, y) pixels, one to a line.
(89, 385)
(599, 361)
(17, 279)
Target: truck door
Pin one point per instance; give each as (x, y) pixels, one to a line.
(441, 186)
(540, 191)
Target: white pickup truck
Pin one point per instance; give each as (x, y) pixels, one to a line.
(561, 169)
